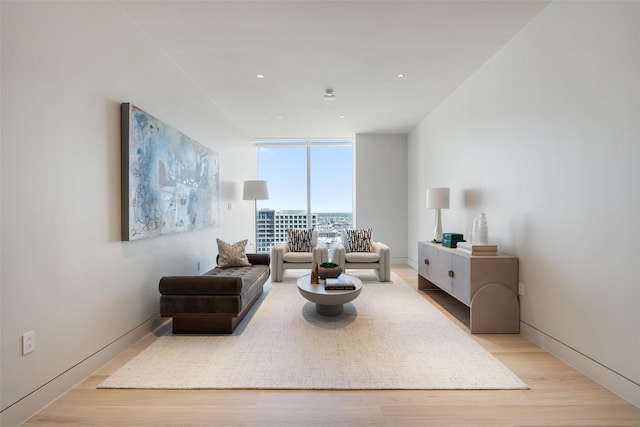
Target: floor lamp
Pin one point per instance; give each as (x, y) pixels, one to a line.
(255, 190)
(437, 198)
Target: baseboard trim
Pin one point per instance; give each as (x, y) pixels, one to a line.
(613, 381)
(28, 406)
(398, 260)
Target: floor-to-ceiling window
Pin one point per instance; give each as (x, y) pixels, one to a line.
(310, 186)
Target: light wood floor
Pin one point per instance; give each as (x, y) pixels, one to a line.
(559, 396)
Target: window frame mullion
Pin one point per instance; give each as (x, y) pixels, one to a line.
(309, 223)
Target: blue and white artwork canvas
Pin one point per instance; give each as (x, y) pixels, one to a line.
(170, 182)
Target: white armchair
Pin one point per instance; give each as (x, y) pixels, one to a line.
(284, 258)
(378, 258)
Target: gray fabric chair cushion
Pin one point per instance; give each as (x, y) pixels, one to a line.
(362, 257)
(297, 257)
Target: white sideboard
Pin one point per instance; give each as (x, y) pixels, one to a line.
(487, 284)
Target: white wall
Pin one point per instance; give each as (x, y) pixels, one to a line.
(65, 274)
(544, 138)
(381, 190)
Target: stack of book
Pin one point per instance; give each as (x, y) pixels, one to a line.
(477, 250)
(339, 284)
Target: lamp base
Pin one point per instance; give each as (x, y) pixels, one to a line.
(437, 232)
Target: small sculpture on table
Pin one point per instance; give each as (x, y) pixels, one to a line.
(315, 280)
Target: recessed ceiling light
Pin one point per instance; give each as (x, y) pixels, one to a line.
(279, 117)
(341, 116)
(400, 76)
(260, 76)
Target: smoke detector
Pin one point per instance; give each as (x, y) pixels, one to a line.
(328, 95)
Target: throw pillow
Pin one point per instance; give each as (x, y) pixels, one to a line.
(359, 240)
(299, 239)
(232, 255)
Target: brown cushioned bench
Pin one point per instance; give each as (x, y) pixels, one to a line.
(215, 302)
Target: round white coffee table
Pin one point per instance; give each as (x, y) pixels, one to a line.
(328, 303)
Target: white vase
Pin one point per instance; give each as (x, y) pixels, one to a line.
(473, 236)
(482, 231)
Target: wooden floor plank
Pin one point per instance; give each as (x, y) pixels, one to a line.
(558, 396)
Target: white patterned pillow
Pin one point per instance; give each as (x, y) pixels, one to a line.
(232, 255)
(359, 240)
(300, 239)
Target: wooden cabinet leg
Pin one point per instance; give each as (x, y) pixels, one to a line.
(495, 309)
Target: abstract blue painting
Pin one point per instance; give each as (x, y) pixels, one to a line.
(169, 181)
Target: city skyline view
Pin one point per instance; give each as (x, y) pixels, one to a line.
(273, 225)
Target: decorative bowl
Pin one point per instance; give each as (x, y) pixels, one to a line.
(329, 272)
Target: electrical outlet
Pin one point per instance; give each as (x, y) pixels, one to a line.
(28, 342)
(521, 289)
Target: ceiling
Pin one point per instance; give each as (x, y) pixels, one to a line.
(356, 48)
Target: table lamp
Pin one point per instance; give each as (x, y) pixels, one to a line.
(437, 198)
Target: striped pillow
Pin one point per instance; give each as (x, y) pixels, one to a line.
(300, 239)
(359, 240)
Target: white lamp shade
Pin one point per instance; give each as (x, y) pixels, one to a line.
(437, 198)
(255, 190)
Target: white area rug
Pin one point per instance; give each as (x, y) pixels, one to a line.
(390, 337)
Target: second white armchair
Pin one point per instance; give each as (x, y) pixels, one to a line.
(363, 255)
